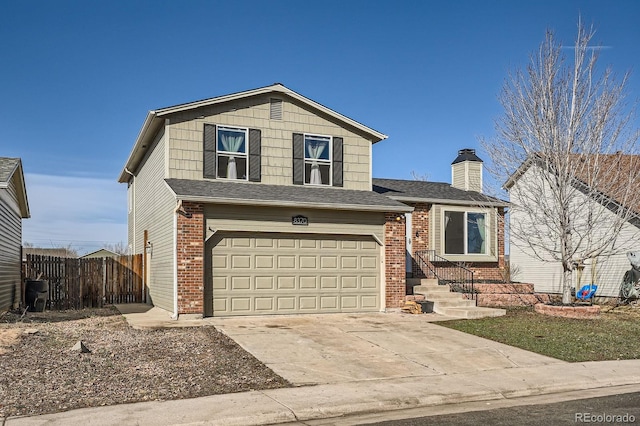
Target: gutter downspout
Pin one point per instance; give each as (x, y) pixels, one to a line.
(175, 260)
(133, 210)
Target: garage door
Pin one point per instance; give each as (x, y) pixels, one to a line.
(258, 274)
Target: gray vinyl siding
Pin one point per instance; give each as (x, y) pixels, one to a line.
(154, 206)
(10, 244)
(458, 176)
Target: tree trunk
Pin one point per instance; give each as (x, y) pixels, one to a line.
(567, 276)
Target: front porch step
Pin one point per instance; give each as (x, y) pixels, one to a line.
(443, 291)
(472, 312)
(422, 281)
(451, 303)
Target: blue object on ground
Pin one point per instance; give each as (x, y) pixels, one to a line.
(587, 292)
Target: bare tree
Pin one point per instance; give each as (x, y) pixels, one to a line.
(118, 248)
(567, 150)
(424, 177)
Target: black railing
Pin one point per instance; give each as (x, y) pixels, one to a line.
(457, 276)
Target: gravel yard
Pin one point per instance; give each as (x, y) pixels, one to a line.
(40, 373)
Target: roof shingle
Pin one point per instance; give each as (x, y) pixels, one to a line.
(248, 193)
(7, 166)
(423, 191)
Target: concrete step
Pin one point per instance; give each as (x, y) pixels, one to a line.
(422, 289)
(422, 281)
(470, 312)
(452, 303)
(442, 296)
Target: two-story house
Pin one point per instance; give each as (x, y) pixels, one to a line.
(261, 202)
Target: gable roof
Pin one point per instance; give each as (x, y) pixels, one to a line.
(432, 192)
(248, 193)
(614, 165)
(155, 119)
(103, 252)
(11, 168)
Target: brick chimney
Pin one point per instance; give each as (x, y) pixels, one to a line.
(466, 171)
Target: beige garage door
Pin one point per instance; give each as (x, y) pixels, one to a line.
(258, 274)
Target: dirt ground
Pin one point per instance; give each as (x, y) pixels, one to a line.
(42, 374)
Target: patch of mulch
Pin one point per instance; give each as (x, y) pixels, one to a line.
(40, 373)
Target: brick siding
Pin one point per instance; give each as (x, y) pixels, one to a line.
(419, 233)
(395, 260)
(191, 259)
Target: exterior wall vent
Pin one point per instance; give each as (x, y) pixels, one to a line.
(275, 109)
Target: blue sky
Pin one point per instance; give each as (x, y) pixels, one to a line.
(78, 78)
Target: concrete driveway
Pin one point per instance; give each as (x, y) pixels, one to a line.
(338, 348)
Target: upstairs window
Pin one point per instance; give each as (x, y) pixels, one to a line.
(317, 160)
(232, 153)
(465, 232)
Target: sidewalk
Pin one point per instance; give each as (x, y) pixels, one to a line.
(325, 401)
(361, 391)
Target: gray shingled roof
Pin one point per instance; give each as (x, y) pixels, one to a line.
(7, 166)
(283, 195)
(432, 192)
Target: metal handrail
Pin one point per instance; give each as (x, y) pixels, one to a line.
(457, 276)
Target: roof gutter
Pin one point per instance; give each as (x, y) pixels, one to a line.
(269, 203)
(142, 136)
(447, 201)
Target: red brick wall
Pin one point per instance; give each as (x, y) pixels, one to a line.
(419, 225)
(191, 259)
(394, 250)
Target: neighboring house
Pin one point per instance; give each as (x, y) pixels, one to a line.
(42, 251)
(456, 221)
(14, 207)
(606, 272)
(100, 254)
(261, 202)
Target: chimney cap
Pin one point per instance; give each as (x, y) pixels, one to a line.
(466, 154)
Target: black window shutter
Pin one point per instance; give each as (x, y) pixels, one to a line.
(209, 152)
(255, 147)
(298, 159)
(337, 161)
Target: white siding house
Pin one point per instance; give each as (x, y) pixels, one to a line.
(539, 268)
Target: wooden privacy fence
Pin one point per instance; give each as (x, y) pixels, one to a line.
(88, 283)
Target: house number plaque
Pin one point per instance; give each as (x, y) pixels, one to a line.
(300, 220)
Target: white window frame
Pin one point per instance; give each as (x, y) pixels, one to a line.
(487, 225)
(328, 162)
(224, 153)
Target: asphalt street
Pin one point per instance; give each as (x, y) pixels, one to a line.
(615, 409)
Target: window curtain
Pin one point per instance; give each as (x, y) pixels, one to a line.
(315, 150)
(480, 221)
(232, 144)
